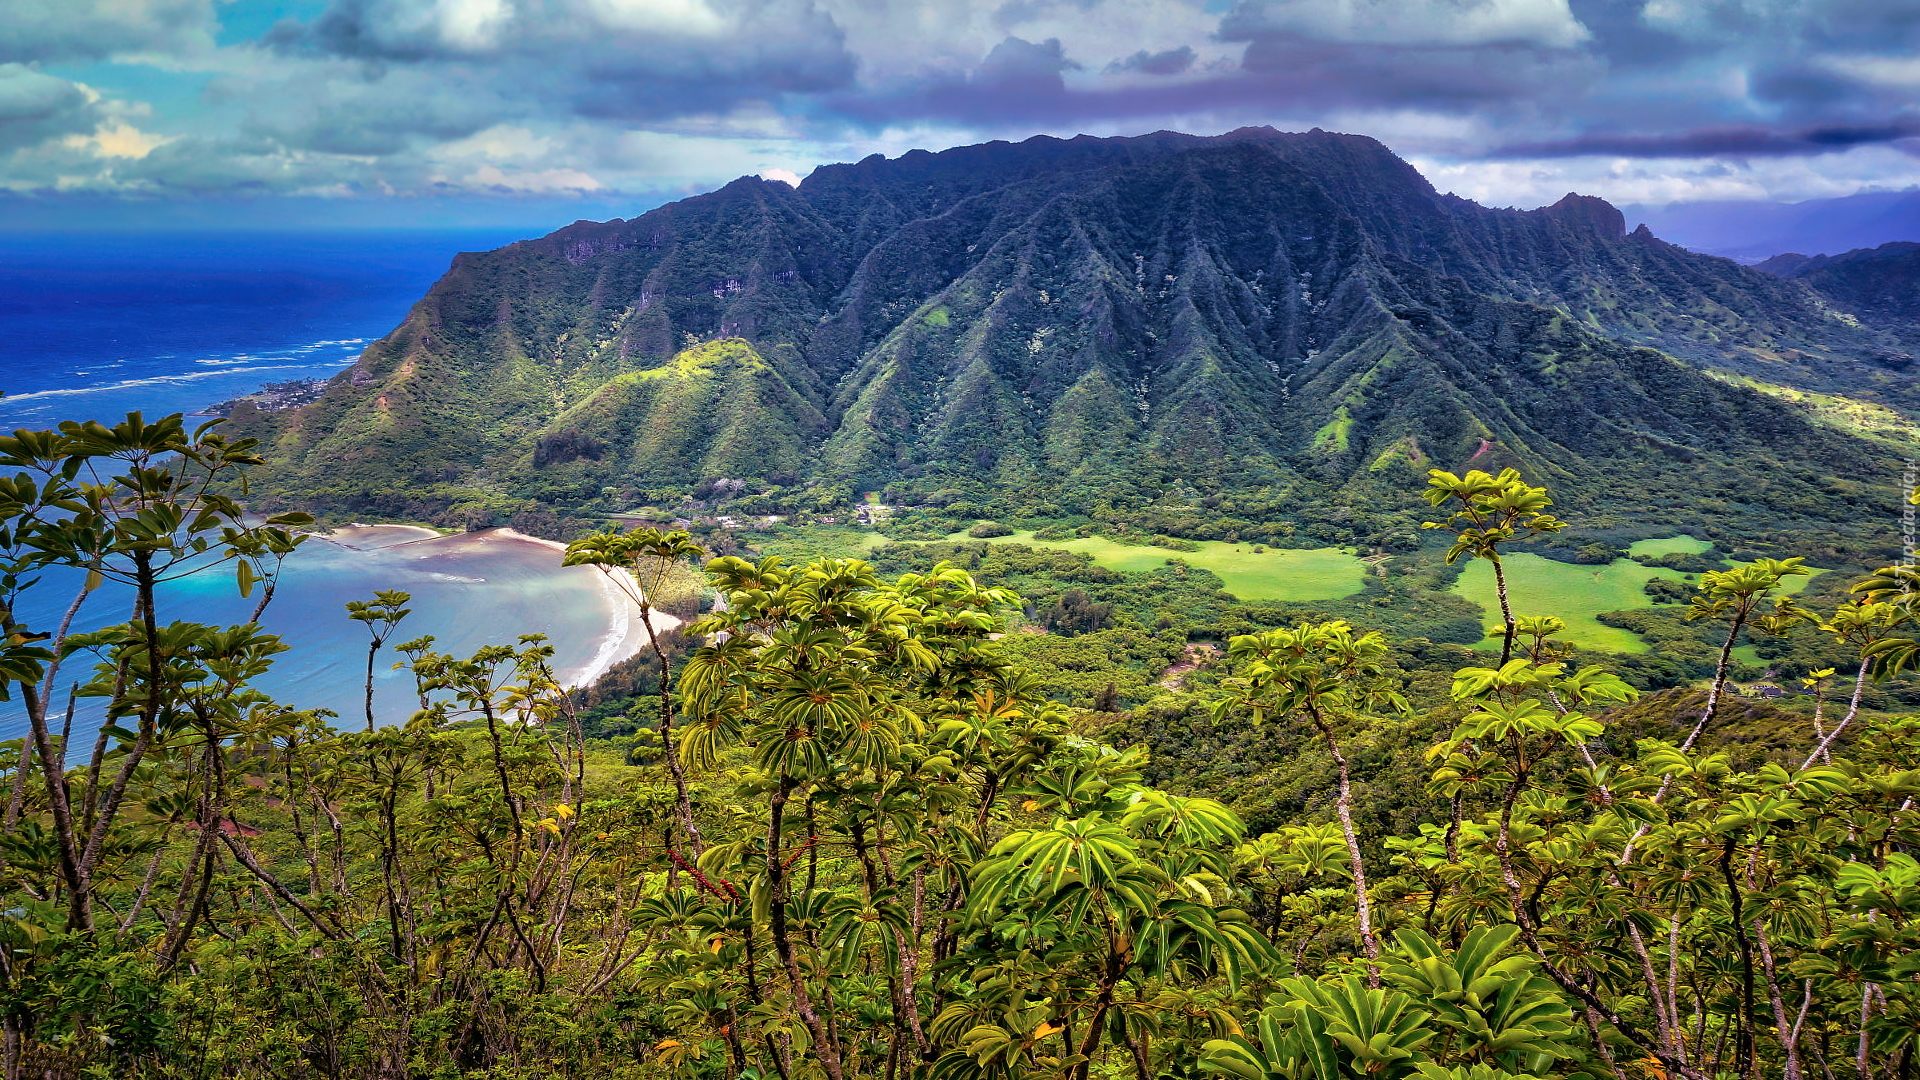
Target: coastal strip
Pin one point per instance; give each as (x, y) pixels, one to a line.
(626, 633)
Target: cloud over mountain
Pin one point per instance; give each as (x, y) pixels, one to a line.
(1507, 100)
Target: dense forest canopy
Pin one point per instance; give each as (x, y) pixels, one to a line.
(848, 832)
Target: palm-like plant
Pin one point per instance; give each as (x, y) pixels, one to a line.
(1338, 1030)
(1488, 1001)
(637, 563)
(1325, 673)
(1734, 595)
(1490, 511)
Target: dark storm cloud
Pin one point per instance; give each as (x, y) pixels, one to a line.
(1292, 71)
(1568, 69)
(579, 94)
(1016, 78)
(1293, 77)
(602, 59)
(35, 107)
(1616, 77)
(1622, 35)
(1299, 56)
(1724, 142)
(1024, 67)
(68, 31)
(1873, 25)
(1168, 62)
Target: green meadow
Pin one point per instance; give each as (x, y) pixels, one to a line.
(1273, 574)
(819, 542)
(1538, 586)
(1672, 545)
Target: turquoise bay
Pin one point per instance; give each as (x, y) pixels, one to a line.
(469, 590)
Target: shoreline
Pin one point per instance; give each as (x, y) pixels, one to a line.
(625, 635)
(623, 638)
(360, 536)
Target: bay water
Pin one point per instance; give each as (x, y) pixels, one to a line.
(92, 327)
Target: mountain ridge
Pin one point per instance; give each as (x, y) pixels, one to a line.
(1060, 317)
(1880, 285)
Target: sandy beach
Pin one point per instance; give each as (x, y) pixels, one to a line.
(372, 537)
(626, 634)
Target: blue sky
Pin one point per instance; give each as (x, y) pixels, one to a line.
(204, 113)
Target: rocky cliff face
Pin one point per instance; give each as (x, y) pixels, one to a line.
(1249, 309)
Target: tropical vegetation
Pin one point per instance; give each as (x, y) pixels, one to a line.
(853, 835)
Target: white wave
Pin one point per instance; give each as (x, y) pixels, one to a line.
(456, 578)
(613, 647)
(157, 380)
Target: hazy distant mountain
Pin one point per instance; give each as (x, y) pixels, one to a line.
(1880, 285)
(1751, 230)
(1087, 319)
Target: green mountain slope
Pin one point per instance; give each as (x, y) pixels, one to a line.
(1089, 319)
(1880, 286)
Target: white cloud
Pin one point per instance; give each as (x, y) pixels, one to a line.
(541, 181)
(117, 139)
(1892, 72)
(503, 142)
(1549, 23)
(471, 25)
(680, 18)
(1664, 181)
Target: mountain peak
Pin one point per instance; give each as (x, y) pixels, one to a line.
(1589, 212)
(1784, 264)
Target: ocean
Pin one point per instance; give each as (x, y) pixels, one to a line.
(97, 326)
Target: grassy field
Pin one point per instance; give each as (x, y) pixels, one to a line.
(1538, 586)
(818, 542)
(1675, 545)
(1275, 574)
